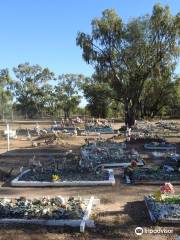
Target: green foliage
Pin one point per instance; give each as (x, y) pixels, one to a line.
(127, 55)
(166, 200)
(5, 92)
(67, 94)
(173, 106)
(98, 97)
(28, 88)
(116, 109)
(172, 200)
(157, 93)
(157, 196)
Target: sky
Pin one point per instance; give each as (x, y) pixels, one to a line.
(44, 31)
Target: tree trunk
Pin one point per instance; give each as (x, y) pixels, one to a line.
(3, 114)
(129, 113)
(66, 114)
(126, 112)
(26, 115)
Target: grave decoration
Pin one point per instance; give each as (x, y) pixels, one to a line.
(100, 126)
(168, 125)
(107, 153)
(45, 208)
(157, 174)
(61, 174)
(55, 177)
(55, 211)
(145, 131)
(156, 129)
(164, 205)
(173, 159)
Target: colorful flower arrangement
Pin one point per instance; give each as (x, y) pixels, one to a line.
(55, 178)
(165, 189)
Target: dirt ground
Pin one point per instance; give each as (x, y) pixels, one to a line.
(122, 208)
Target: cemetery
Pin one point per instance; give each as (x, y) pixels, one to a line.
(90, 120)
(96, 163)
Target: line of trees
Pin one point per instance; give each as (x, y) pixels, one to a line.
(34, 95)
(134, 66)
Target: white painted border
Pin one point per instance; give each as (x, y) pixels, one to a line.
(52, 222)
(124, 164)
(148, 147)
(16, 183)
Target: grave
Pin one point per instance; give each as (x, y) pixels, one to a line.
(57, 211)
(108, 154)
(65, 177)
(167, 211)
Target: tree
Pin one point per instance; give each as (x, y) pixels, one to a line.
(47, 100)
(115, 109)
(98, 96)
(127, 55)
(67, 94)
(157, 93)
(5, 91)
(29, 87)
(173, 106)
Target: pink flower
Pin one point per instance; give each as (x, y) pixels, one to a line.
(167, 188)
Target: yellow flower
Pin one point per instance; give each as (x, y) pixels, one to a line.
(158, 196)
(55, 177)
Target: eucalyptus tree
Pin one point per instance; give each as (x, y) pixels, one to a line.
(157, 94)
(6, 95)
(98, 96)
(67, 92)
(173, 107)
(30, 79)
(127, 55)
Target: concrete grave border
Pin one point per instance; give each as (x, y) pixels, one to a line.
(140, 163)
(148, 146)
(150, 182)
